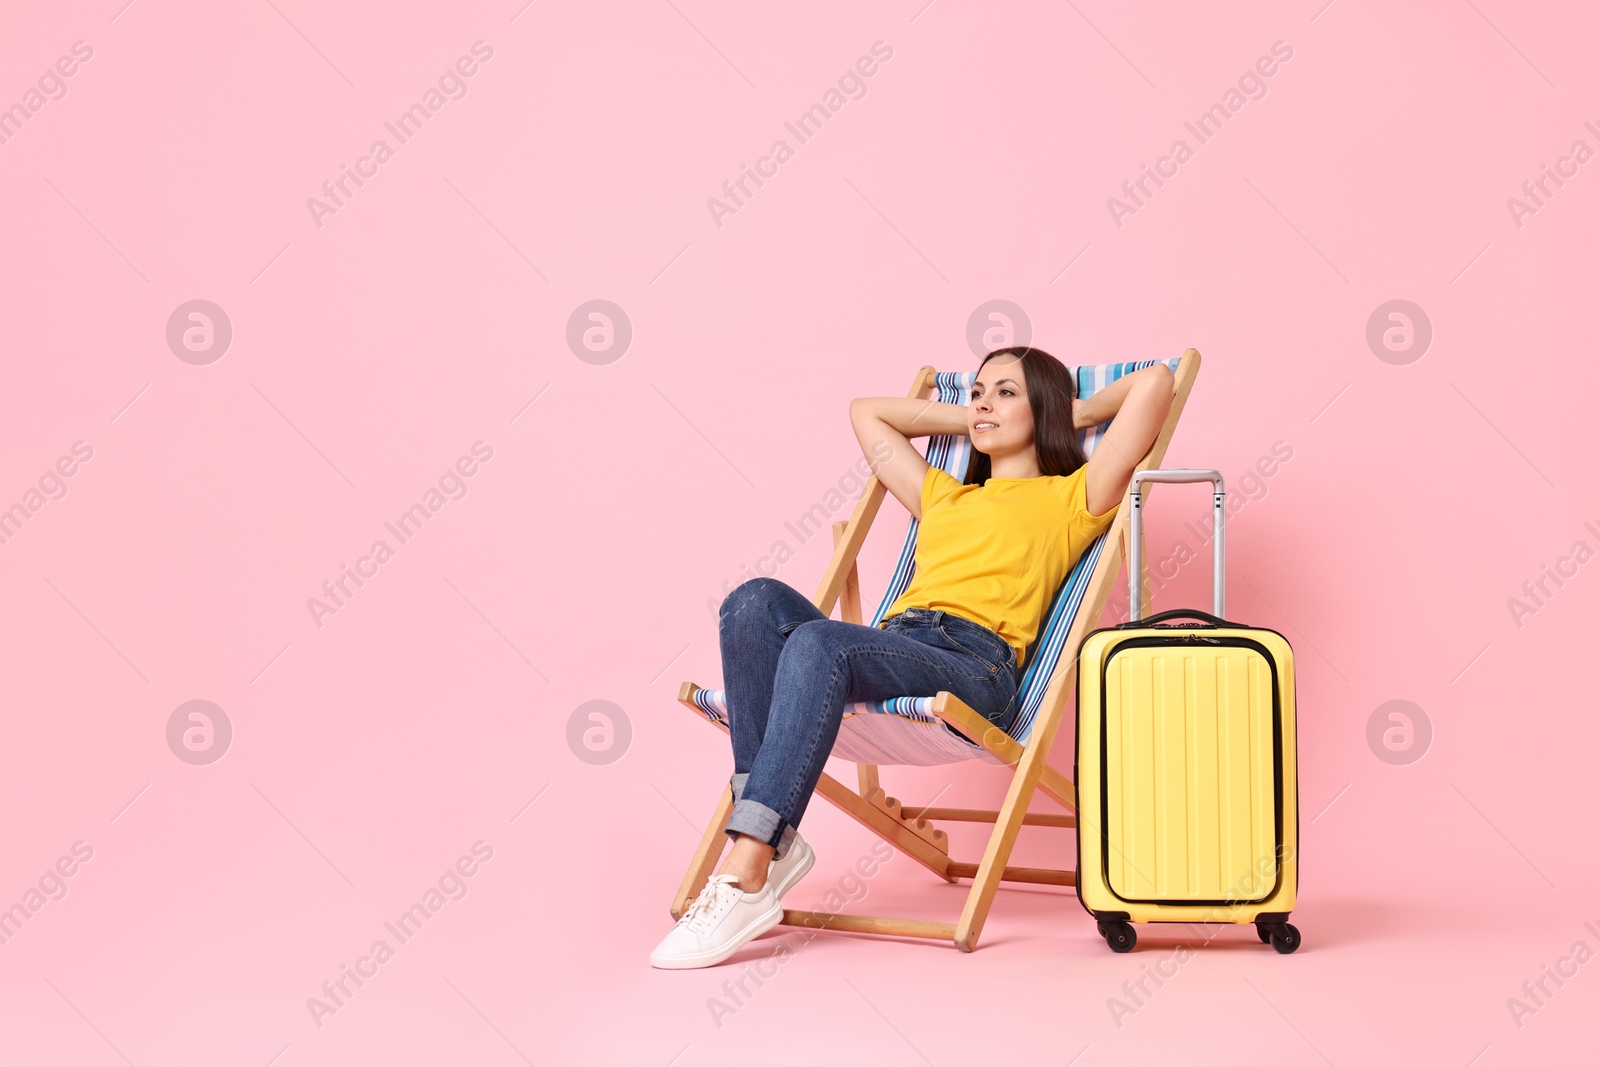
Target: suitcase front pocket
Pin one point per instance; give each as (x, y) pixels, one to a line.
(1190, 771)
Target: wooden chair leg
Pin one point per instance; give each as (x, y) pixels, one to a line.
(706, 856)
(986, 880)
(850, 611)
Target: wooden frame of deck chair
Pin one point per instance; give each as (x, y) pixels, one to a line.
(924, 731)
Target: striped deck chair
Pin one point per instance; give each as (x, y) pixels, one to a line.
(924, 730)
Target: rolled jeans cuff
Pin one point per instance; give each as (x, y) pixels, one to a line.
(756, 819)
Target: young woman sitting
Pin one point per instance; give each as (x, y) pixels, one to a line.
(991, 550)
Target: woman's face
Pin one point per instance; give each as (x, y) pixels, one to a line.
(1000, 419)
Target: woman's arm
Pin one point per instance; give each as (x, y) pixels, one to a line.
(1137, 405)
(1105, 404)
(911, 417)
(884, 424)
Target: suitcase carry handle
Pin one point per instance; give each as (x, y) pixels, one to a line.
(1136, 533)
(1176, 613)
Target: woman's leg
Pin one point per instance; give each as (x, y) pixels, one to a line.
(754, 623)
(825, 664)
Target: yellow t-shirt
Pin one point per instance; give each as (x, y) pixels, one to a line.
(995, 554)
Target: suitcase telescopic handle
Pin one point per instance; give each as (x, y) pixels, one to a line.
(1136, 531)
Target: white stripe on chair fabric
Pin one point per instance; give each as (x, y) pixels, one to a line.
(902, 730)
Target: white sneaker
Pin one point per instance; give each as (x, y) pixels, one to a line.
(722, 919)
(784, 873)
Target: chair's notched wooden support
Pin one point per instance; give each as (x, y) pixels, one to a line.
(915, 821)
(912, 831)
(877, 818)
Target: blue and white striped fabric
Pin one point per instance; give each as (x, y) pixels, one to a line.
(902, 730)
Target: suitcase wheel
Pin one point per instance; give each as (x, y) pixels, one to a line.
(1119, 935)
(1283, 936)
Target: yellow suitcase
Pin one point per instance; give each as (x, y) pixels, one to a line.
(1185, 763)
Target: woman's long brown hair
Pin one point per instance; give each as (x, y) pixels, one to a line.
(1051, 390)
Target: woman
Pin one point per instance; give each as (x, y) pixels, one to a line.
(990, 552)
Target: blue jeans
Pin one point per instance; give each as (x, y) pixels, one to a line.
(789, 671)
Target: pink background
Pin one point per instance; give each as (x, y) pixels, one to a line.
(586, 558)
